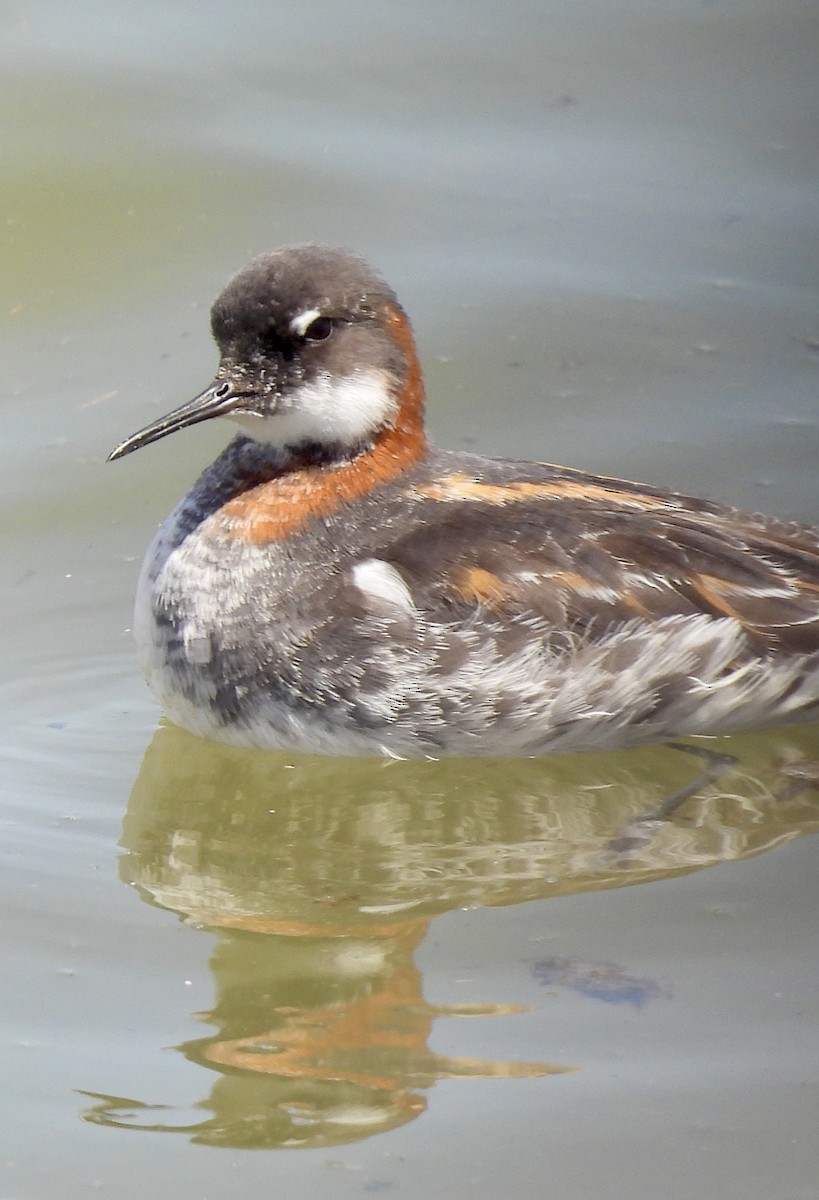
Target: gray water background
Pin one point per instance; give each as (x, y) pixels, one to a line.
(603, 220)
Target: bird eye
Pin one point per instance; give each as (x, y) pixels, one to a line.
(318, 330)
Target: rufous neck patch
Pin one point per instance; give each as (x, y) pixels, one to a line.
(279, 507)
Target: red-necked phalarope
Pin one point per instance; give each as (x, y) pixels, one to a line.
(332, 583)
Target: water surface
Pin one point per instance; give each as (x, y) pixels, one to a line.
(431, 979)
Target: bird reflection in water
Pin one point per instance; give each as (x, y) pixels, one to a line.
(321, 878)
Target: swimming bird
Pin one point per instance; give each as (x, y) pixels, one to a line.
(333, 583)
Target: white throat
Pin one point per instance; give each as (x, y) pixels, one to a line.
(329, 410)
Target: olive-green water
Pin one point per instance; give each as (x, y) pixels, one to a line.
(420, 979)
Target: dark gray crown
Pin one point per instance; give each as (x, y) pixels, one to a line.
(275, 287)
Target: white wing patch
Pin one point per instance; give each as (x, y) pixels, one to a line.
(378, 580)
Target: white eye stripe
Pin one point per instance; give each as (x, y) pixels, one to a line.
(303, 320)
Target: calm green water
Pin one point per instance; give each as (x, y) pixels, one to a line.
(426, 979)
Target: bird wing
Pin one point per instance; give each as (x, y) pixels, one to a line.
(585, 552)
